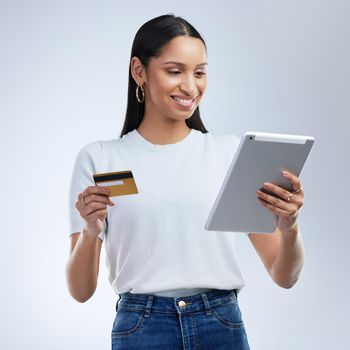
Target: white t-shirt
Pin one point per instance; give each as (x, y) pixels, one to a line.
(155, 240)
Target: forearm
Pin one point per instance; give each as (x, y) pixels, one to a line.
(289, 262)
(82, 268)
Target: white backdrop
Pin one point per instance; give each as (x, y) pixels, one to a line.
(274, 66)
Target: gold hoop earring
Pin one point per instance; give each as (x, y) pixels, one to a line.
(137, 93)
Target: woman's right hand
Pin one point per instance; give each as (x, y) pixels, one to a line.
(92, 205)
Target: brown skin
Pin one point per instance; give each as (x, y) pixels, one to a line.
(282, 252)
(164, 123)
(83, 265)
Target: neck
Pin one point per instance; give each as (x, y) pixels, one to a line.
(164, 133)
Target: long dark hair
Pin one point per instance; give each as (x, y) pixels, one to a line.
(148, 42)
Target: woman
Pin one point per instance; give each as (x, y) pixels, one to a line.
(177, 283)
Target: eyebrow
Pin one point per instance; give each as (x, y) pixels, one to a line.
(182, 64)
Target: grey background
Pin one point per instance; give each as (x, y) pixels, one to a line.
(274, 66)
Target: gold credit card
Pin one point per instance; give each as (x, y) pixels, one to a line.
(121, 183)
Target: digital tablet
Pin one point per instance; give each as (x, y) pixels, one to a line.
(260, 157)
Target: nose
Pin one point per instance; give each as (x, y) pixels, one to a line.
(188, 85)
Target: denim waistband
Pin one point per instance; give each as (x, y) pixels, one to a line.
(161, 304)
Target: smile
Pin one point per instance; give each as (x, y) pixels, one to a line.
(187, 103)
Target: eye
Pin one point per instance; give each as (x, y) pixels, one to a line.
(179, 72)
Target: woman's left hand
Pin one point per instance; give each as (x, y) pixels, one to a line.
(287, 206)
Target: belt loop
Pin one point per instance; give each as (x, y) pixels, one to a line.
(116, 304)
(206, 304)
(148, 305)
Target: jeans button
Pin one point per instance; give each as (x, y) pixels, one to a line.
(181, 303)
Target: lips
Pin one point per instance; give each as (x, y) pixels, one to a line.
(184, 103)
(185, 98)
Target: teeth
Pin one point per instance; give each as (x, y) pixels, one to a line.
(185, 102)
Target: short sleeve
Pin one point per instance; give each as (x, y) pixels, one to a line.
(232, 148)
(234, 144)
(235, 141)
(81, 177)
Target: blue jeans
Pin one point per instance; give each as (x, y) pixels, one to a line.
(205, 321)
